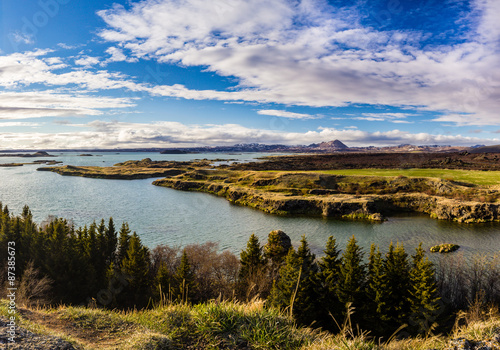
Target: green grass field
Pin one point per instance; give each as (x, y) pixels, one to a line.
(484, 178)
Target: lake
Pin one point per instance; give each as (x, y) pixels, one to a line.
(165, 216)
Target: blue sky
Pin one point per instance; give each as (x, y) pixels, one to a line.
(177, 73)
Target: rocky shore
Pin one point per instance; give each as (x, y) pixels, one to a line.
(313, 193)
(369, 206)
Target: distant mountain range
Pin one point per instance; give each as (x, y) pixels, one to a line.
(323, 147)
(331, 146)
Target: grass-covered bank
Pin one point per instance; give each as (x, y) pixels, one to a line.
(355, 194)
(228, 325)
(344, 186)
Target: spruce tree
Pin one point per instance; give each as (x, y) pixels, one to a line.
(136, 267)
(306, 304)
(352, 278)
(284, 287)
(328, 279)
(252, 274)
(123, 244)
(185, 279)
(295, 287)
(111, 241)
(163, 282)
(424, 299)
(376, 290)
(397, 270)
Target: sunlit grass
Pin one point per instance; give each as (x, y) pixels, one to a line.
(476, 177)
(228, 325)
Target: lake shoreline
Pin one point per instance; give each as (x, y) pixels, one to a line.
(312, 193)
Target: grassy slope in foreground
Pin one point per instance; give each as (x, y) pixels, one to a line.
(218, 325)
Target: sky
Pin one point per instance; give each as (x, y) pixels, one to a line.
(182, 73)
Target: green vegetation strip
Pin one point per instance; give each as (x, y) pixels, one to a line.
(476, 177)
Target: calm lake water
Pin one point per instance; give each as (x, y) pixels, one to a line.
(165, 216)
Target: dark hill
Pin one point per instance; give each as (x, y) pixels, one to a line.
(486, 149)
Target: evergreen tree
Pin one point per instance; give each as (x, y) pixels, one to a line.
(376, 290)
(252, 274)
(396, 309)
(111, 241)
(424, 300)
(163, 282)
(352, 278)
(136, 267)
(295, 287)
(123, 244)
(306, 304)
(284, 287)
(327, 283)
(185, 279)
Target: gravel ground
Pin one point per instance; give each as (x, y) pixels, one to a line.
(27, 340)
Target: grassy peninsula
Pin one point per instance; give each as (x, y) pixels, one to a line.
(353, 186)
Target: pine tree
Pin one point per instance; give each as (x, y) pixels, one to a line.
(136, 266)
(123, 244)
(397, 270)
(306, 304)
(284, 287)
(376, 289)
(424, 300)
(352, 278)
(327, 283)
(163, 282)
(111, 241)
(252, 274)
(295, 287)
(185, 279)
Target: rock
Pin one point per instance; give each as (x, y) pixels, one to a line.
(460, 344)
(278, 245)
(464, 344)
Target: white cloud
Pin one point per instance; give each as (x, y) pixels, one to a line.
(488, 26)
(399, 118)
(87, 61)
(101, 134)
(326, 60)
(11, 124)
(37, 104)
(24, 38)
(286, 114)
(117, 55)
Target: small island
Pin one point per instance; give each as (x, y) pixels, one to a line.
(444, 248)
(28, 155)
(36, 162)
